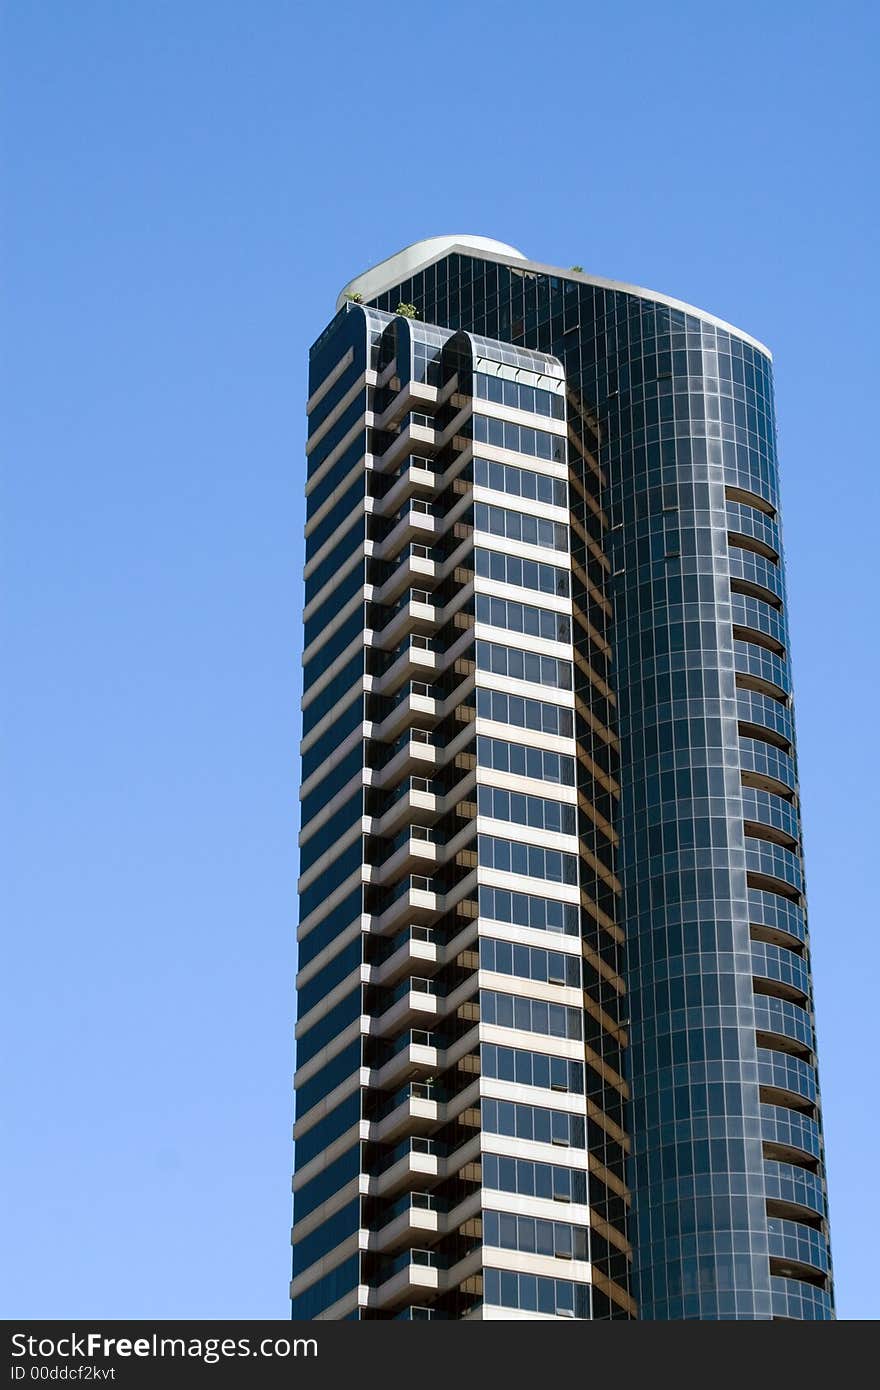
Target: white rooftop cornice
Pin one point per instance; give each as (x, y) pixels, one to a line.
(379, 278)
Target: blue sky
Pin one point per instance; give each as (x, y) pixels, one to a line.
(187, 184)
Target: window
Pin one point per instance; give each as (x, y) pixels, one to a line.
(524, 666)
(525, 574)
(522, 761)
(519, 439)
(525, 713)
(524, 618)
(520, 526)
(520, 482)
(532, 861)
(519, 396)
(537, 812)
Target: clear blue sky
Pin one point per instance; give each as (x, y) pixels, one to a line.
(187, 184)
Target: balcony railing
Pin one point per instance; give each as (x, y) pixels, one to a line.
(412, 1201)
(413, 504)
(413, 1144)
(426, 1259)
(426, 833)
(423, 736)
(413, 932)
(413, 461)
(413, 1090)
(404, 788)
(413, 983)
(410, 688)
(416, 883)
(415, 1037)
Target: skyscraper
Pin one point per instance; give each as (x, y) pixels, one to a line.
(555, 1042)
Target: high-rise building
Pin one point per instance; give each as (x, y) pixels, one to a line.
(555, 1040)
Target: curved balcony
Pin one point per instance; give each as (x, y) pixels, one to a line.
(792, 1300)
(770, 809)
(784, 1020)
(798, 1244)
(798, 1187)
(750, 568)
(783, 967)
(764, 712)
(774, 862)
(767, 763)
(778, 915)
(781, 1072)
(743, 520)
(750, 614)
(755, 661)
(789, 1129)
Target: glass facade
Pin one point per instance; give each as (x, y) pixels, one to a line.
(619, 749)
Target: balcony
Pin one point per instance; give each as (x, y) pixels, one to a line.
(412, 1161)
(415, 702)
(415, 476)
(414, 948)
(415, 1218)
(415, 522)
(798, 1245)
(415, 568)
(416, 1056)
(419, 1271)
(415, 611)
(796, 1301)
(415, 799)
(412, 1273)
(413, 1109)
(415, 659)
(418, 437)
(797, 1187)
(415, 1001)
(784, 968)
(415, 849)
(413, 902)
(790, 1135)
(783, 1025)
(780, 1072)
(415, 752)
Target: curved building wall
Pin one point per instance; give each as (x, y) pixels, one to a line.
(729, 1214)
